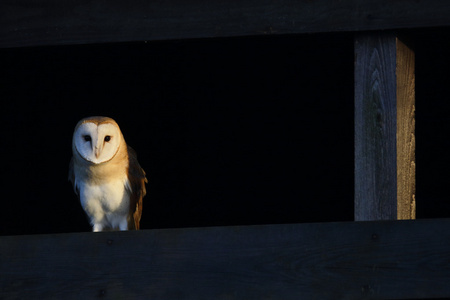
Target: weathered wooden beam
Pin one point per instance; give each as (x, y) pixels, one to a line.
(353, 260)
(48, 22)
(384, 128)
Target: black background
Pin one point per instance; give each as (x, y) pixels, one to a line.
(250, 130)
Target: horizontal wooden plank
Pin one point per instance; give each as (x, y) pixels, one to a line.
(48, 22)
(354, 260)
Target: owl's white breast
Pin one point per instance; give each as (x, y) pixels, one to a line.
(110, 195)
(106, 203)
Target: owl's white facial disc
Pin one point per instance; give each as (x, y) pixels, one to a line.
(97, 144)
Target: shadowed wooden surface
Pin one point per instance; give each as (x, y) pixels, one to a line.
(355, 260)
(48, 22)
(375, 127)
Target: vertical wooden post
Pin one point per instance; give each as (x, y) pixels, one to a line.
(384, 128)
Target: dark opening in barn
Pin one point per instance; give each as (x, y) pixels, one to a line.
(250, 130)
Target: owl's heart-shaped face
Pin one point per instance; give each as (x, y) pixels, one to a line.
(97, 143)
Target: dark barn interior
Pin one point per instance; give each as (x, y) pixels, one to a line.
(231, 131)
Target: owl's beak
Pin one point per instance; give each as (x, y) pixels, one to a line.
(97, 147)
(97, 152)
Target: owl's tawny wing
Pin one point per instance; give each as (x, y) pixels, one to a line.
(72, 177)
(137, 180)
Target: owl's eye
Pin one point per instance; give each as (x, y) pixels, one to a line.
(107, 138)
(87, 138)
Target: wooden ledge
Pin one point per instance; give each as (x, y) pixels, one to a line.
(352, 260)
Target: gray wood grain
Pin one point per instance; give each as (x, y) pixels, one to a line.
(48, 22)
(354, 260)
(375, 127)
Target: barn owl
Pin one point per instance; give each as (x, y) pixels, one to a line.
(106, 175)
